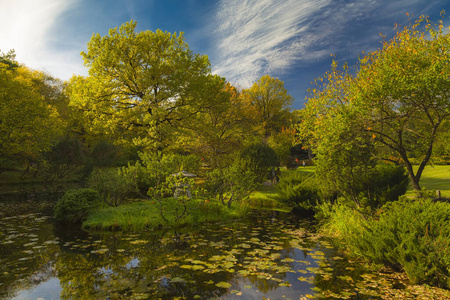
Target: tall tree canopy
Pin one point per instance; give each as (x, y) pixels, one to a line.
(222, 127)
(139, 84)
(269, 103)
(29, 125)
(394, 105)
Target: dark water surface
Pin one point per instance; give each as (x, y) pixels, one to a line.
(271, 255)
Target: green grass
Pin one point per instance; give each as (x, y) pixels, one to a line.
(435, 178)
(138, 216)
(266, 197)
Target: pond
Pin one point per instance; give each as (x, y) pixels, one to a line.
(269, 254)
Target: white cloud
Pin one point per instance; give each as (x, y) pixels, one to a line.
(25, 25)
(256, 37)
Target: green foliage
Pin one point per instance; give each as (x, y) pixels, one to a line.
(153, 168)
(104, 154)
(258, 159)
(230, 184)
(387, 183)
(140, 85)
(9, 59)
(28, 125)
(396, 102)
(411, 234)
(75, 205)
(63, 159)
(114, 186)
(282, 143)
(299, 191)
(269, 103)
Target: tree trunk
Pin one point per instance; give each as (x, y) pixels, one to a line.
(412, 177)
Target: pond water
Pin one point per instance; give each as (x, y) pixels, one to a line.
(271, 255)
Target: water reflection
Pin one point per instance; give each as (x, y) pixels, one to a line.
(268, 255)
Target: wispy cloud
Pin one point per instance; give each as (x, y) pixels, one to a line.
(26, 25)
(257, 37)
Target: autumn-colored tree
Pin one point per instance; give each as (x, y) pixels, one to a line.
(269, 104)
(139, 85)
(396, 102)
(221, 127)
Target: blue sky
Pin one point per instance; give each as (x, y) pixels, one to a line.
(244, 39)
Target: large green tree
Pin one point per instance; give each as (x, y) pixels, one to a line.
(397, 101)
(140, 84)
(29, 125)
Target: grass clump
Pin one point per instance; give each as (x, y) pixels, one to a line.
(299, 190)
(138, 216)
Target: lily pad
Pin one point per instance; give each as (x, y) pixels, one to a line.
(223, 284)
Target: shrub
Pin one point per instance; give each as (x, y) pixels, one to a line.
(64, 159)
(113, 186)
(299, 191)
(258, 159)
(231, 184)
(153, 168)
(413, 235)
(75, 205)
(386, 184)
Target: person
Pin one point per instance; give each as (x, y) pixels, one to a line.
(278, 174)
(304, 164)
(273, 175)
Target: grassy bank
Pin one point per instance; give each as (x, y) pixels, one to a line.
(141, 215)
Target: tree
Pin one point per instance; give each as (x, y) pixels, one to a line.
(139, 85)
(28, 125)
(258, 159)
(9, 59)
(269, 103)
(397, 100)
(221, 126)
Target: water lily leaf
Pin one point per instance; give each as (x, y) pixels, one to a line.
(138, 242)
(177, 279)
(209, 282)
(244, 272)
(223, 284)
(186, 267)
(286, 284)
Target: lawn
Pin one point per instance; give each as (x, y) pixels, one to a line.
(435, 178)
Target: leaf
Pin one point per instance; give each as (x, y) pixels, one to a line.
(223, 284)
(177, 279)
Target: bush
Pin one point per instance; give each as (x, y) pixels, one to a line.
(75, 205)
(153, 168)
(64, 159)
(231, 184)
(386, 184)
(113, 186)
(413, 235)
(299, 191)
(258, 159)
(370, 189)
